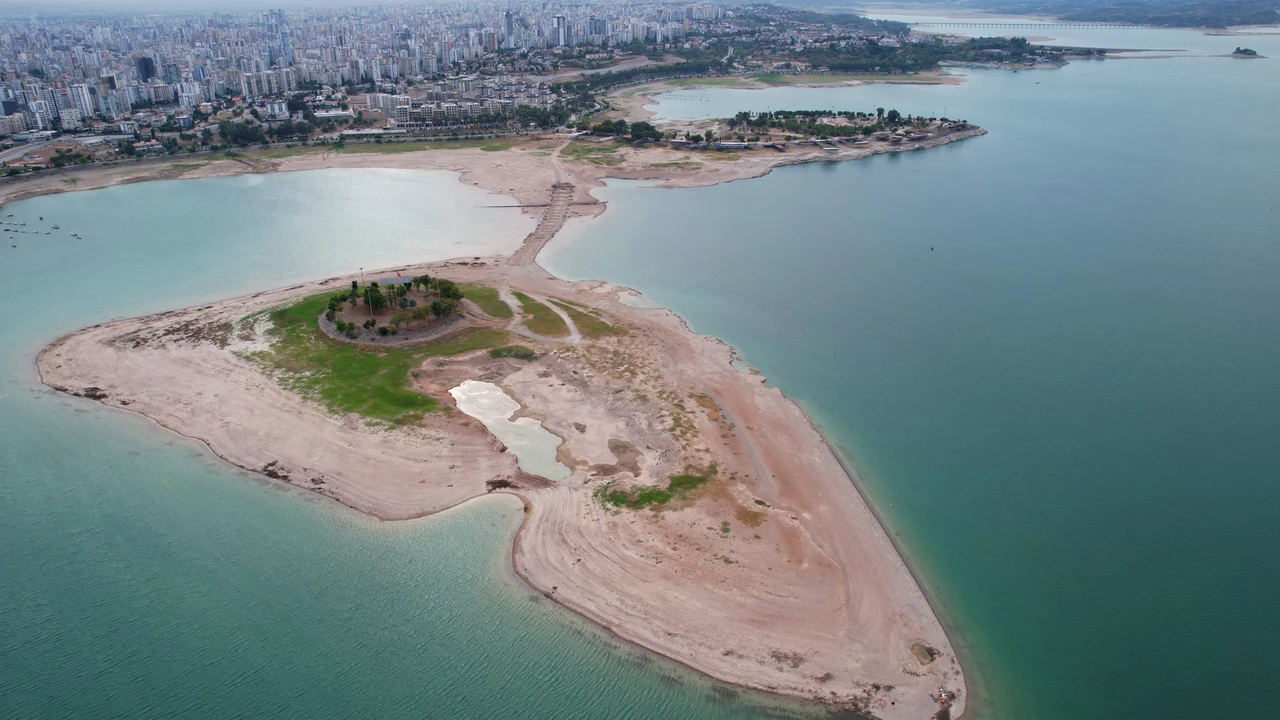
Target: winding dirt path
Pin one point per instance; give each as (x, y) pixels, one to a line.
(517, 324)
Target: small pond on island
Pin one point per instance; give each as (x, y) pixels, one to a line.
(533, 445)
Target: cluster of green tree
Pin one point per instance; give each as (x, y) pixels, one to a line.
(543, 118)
(813, 122)
(871, 56)
(296, 103)
(611, 127)
(335, 303)
(1245, 51)
(1167, 13)
(602, 81)
(305, 126)
(639, 130)
(642, 130)
(772, 13)
(347, 328)
(438, 308)
(62, 157)
(707, 52)
(375, 297)
(443, 287)
(241, 133)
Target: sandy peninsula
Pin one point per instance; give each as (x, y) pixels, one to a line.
(772, 572)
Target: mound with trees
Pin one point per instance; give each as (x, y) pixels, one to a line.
(417, 305)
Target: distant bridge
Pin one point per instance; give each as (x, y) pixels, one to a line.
(1026, 26)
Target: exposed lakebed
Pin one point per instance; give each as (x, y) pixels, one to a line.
(534, 446)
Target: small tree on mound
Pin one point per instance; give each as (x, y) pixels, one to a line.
(444, 307)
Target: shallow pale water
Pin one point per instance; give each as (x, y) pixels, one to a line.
(1053, 352)
(141, 577)
(533, 445)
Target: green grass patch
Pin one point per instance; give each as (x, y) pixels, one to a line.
(597, 154)
(588, 325)
(578, 149)
(543, 321)
(288, 152)
(347, 378)
(519, 352)
(635, 498)
(675, 164)
(487, 298)
(493, 145)
(474, 339)
(835, 79)
(711, 81)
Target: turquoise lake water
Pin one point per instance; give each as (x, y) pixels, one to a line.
(1053, 353)
(141, 577)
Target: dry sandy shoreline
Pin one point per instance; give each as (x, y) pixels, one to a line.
(805, 594)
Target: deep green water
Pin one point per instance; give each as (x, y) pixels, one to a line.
(141, 577)
(1052, 352)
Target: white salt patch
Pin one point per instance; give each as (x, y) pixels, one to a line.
(533, 445)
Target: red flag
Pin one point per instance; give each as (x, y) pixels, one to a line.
(397, 274)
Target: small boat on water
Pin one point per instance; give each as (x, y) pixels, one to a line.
(55, 227)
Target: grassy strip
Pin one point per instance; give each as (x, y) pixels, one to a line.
(519, 352)
(544, 320)
(635, 498)
(493, 145)
(595, 154)
(288, 152)
(834, 79)
(708, 82)
(347, 378)
(588, 325)
(487, 298)
(582, 149)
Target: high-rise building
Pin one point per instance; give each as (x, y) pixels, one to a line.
(560, 32)
(508, 30)
(146, 68)
(69, 119)
(82, 100)
(249, 85)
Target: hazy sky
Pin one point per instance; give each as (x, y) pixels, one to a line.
(26, 8)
